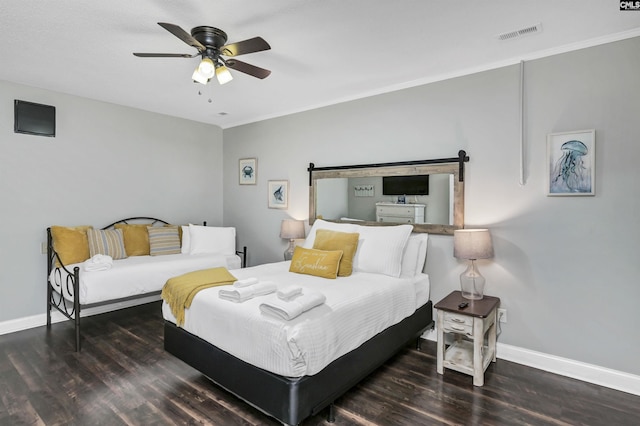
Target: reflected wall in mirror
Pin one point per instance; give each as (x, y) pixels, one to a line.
(358, 194)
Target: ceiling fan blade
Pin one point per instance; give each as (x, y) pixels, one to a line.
(183, 35)
(164, 55)
(246, 68)
(256, 44)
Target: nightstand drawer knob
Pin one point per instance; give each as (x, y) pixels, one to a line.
(453, 327)
(457, 320)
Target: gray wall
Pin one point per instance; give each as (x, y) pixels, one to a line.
(106, 163)
(565, 267)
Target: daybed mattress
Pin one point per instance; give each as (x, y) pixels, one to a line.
(356, 308)
(135, 275)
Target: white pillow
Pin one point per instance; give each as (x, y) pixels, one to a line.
(332, 226)
(415, 254)
(186, 240)
(380, 249)
(212, 240)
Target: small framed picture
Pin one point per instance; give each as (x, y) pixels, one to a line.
(278, 192)
(571, 163)
(248, 170)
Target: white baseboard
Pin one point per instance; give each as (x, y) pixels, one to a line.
(590, 373)
(595, 374)
(39, 320)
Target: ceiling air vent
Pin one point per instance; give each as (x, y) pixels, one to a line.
(534, 29)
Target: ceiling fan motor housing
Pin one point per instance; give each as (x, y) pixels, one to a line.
(210, 37)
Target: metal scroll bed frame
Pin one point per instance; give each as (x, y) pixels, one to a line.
(291, 400)
(55, 300)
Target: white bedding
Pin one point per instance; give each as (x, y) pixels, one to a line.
(356, 308)
(135, 275)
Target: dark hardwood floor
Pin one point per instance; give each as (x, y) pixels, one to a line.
(124, 377)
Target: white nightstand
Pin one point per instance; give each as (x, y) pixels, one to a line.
(469, 326)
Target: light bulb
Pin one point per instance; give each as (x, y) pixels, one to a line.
(206, 68)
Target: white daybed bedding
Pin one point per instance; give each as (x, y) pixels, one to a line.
(135, 275)
(357, 308)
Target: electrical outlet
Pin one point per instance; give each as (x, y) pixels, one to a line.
(43, 248)
(502, 315)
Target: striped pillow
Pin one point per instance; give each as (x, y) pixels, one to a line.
(163, 240)
(108, 242)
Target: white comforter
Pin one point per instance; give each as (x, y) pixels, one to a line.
(135, 275)
(356, 308)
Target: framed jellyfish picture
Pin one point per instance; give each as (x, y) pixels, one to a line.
(571, 163)
(278, 194)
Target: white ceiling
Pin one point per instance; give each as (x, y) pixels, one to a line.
(323, 52)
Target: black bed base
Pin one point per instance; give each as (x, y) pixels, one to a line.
(71, 310)
(291, 400)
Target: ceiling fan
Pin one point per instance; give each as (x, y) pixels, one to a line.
(210, 42)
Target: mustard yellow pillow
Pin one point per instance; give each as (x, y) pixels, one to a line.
(320, 263)
(136, 238)
(335, 240)
(71, 244)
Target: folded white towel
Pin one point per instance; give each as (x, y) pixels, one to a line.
(245, 282)
(99, 262)
(288, 310)
(289, 292)
(241, 294)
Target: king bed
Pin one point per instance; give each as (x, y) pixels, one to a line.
(294, 368)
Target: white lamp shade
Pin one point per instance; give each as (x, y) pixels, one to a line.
(292, 229)
(199, 77)
(223, 75)
(472, 244)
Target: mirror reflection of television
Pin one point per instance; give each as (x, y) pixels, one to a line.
(34, 119)
(405, 185)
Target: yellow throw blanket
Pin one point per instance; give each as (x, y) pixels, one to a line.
(179, 291)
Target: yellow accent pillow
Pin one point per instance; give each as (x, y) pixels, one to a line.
(335, 240)
(136, 238)
(71, 244)
(320, 263)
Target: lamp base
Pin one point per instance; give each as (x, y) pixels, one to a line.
(288, 253)
(472, 283)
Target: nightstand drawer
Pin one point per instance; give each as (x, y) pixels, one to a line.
(461, 324)
(467, 330)
(457, 318)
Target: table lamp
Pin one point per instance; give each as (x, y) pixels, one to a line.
(291, 229)
(472, 244)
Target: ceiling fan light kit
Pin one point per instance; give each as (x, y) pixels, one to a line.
(210, 42)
